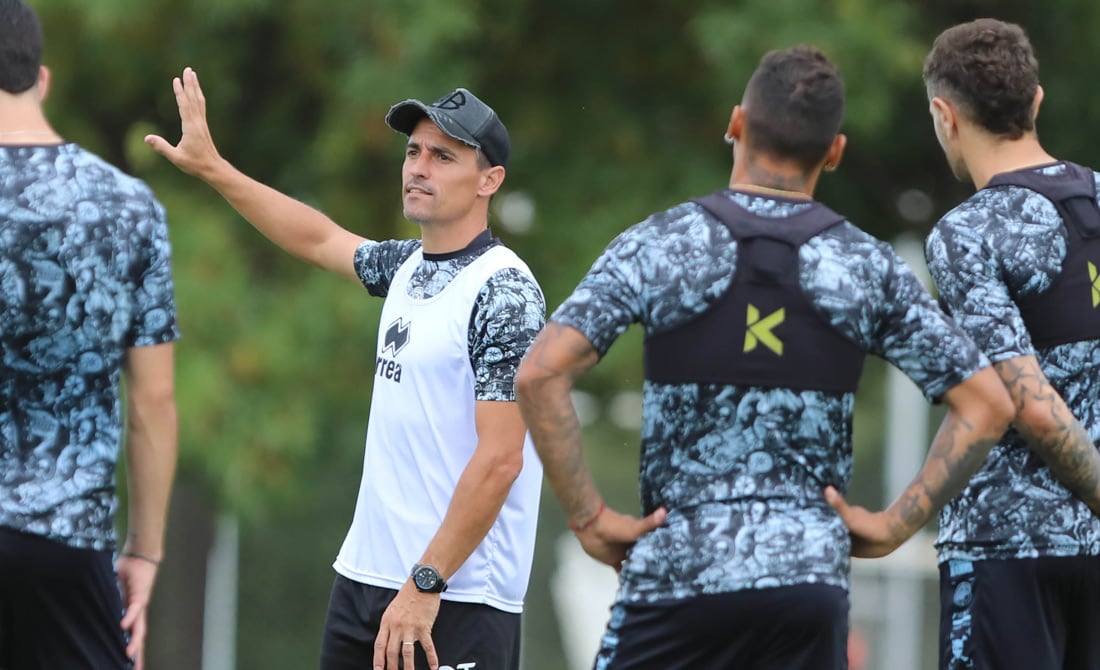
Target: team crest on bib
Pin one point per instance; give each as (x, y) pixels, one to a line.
(397, 336)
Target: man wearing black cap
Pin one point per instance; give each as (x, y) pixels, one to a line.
(436, 563)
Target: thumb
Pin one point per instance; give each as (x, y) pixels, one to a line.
(159, 144)
(131, 616)
(654, 520)
(835, 499)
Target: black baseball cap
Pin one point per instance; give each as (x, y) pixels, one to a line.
(461, 115)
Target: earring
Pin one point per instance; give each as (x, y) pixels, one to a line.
(829, 167)
(728, 139)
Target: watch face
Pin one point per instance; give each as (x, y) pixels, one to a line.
(426, 578)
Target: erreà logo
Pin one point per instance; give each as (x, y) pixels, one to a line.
(759, 331)
(1094, 277)
(397, 336)
(451, 102)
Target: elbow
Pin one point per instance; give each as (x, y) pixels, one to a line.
(1037, 422)
(985, 403)
(159, 393)
(525, 380)
(506, 469)
(529, 382)
(1000, 409)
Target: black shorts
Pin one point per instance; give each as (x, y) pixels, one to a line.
(1020, 614)
(803, 627)
(466, 636)
(60, 607)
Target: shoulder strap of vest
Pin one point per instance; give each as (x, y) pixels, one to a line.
(1073, 193)
(744, 224)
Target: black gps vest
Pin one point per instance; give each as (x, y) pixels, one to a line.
(1069, 311)
(763, 331)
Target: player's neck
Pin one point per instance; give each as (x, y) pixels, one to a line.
(760, 174)
(24, 123)
(445, 238)
(988, 155)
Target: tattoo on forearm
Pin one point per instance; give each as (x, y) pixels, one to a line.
(956, 454)
(553, 421)
(1067, 448)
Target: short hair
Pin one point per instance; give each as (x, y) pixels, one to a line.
(794, 105)
(988, 69)
(20, 46)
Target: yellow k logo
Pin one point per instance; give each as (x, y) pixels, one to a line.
(1095, 277)
(760, 330)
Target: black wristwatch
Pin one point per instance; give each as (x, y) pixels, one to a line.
(427, 579)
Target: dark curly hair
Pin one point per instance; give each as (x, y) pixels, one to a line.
(988, 68)
(794, 104)
(20, 46)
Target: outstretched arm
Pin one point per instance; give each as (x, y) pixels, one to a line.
(544, 383)
(151, 440)
(296, 227)
(1051, 430)
(978, 413)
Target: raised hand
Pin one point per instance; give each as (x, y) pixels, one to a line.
(195, 154)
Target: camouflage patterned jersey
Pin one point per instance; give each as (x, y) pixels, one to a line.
(84, 275)
(998, 247)
(741, 469)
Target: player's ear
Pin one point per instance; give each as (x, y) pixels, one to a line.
(491, 180)
(43, 82)
(1038, 101)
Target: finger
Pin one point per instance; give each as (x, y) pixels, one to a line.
(131, 617)
(136, 651)
(407, 652)
(380, 648)
(393, 649)
(159, 144)
(429, 651)
(196, 90)
(181, 94)
(193, 90)
(654, 520)
(836, 500)
(136, 648)
(132, 623)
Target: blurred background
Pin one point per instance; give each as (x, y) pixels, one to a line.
(616, 108)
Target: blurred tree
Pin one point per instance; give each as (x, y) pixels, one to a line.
(616, 109)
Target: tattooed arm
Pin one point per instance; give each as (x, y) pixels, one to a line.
(1051, 430)
(978, 414)
(544, 383)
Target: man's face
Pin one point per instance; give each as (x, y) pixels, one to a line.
(440, 178)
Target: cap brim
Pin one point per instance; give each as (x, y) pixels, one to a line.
(404, 116)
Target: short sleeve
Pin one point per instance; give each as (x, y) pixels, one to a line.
(915, 335)
(609, 299)
(966, 273)
(508, 313)
(154, 313)
(377, 262)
